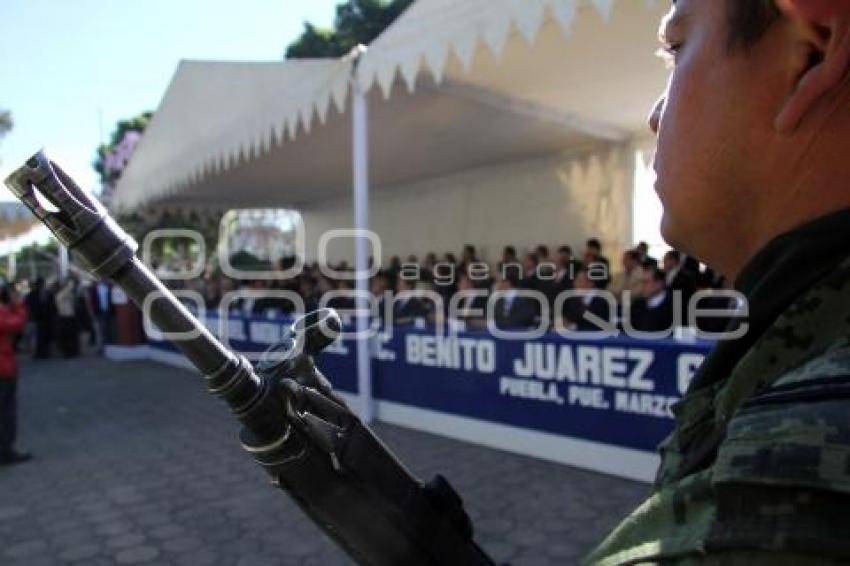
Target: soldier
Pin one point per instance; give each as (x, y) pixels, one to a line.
(753, 135)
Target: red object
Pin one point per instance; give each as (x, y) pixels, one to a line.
(12, 321)
(128, 320)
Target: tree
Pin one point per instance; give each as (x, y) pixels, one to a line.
(357, 21)
(109, 176)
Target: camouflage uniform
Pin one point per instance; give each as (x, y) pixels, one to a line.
(757, 470)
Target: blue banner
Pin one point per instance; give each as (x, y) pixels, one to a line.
(617, 391)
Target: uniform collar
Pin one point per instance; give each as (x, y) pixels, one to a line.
(774, 278)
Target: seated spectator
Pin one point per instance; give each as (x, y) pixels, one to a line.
(381, 292)
(309, 293)
(679, 280)
(546, 283)
(568, 269)
(653, 312)
(471, 307)
(212, 293)
(512, 310)
(469, 255)
(344, 300)
(592, 302)
(428, 266)
(509, 257)
(393, 270)
(598, 266)
(643, 249)
(530, 261)
(407, 307)
(266, 304)
(632, 278)
(542, 252)
(443, 279)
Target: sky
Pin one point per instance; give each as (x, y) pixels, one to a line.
(70, 70)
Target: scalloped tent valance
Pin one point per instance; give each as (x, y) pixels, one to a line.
(487, 81)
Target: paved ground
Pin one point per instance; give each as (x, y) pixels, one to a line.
(136, 464)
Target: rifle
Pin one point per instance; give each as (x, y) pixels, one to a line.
(313, 446)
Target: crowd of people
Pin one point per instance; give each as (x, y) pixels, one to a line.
(519, 291)
(64, 315)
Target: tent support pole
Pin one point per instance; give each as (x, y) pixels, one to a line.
(64, 262)
(360, 161)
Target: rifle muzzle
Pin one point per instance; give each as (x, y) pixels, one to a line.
(77, 220)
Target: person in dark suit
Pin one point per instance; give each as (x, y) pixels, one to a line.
(654, 311)
(679, 279)
(575, 309)
(100, 296)
(468, 257)
(568, 268)
(598, 266)
(542, 252)
(530, 262)
(42, 309)
(511, 310)
(471, 307)
(381, 291)
(407, 307)
(344, 300)
(546, 283)
(509, 257)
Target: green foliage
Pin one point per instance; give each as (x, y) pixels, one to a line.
(139, 224)
(357, 21)
(38, 252)
(138, 124)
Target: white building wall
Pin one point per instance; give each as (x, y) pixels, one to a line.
(552, 200)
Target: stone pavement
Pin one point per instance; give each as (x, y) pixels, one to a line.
(137, 464)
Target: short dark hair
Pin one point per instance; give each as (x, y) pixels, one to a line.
(595, 244)
(749, 20)
(513, 279)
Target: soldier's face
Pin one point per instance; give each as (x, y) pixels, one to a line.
(714, 124)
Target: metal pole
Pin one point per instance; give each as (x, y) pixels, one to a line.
(63, 263)
(360, 116)
(13, 267)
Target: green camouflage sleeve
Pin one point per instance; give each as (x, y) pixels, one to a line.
(782, 475)
(756, 559)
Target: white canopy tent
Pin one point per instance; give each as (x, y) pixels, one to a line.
(37, 235)
(450, 87)
(494, 80)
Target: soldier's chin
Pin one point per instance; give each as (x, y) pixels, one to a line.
(669, 232)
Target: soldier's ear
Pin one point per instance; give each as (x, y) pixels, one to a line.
(821, 58)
